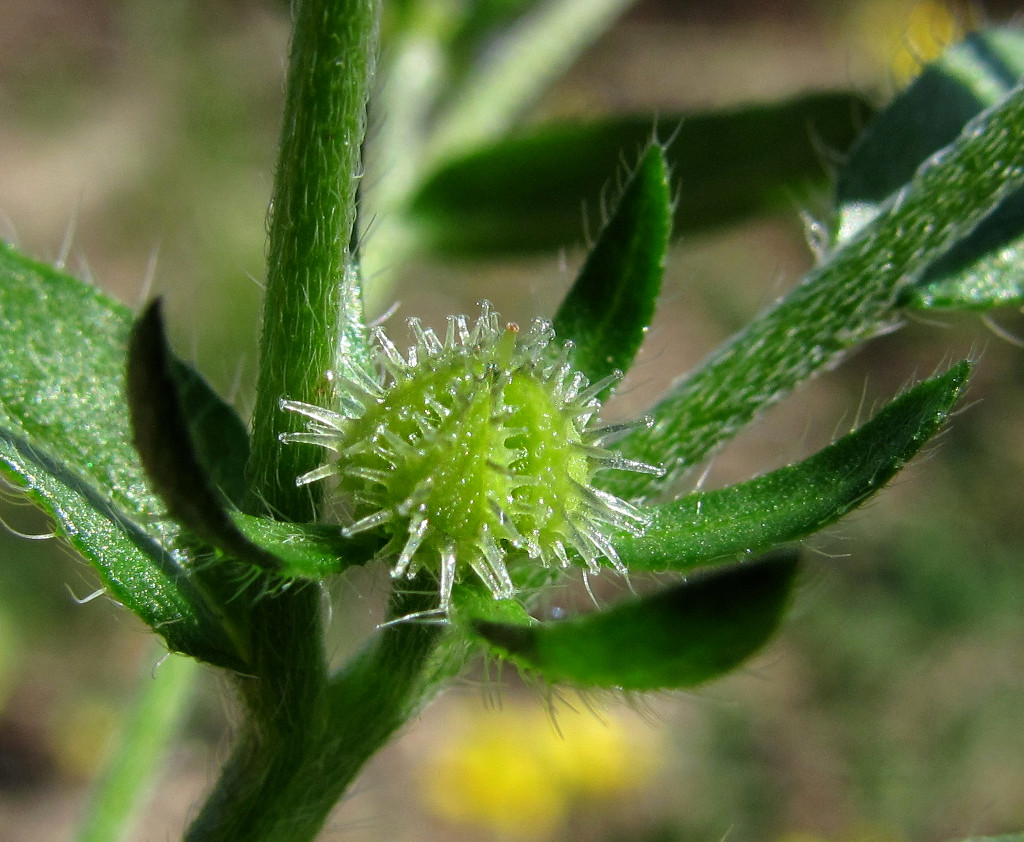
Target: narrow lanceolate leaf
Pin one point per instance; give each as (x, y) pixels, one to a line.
(138, 566)
(798, 500)
(513, 71)
(928, 115)
(64, 438)
(480, 24)
(679, 637)
(983, 270)
(220, 438)
(531, 191)
(168, 452)
(306, 550)
(610, 306)
(844, 301)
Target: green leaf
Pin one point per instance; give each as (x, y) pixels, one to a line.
(516, 68)
(219, 436)
(165, 444)
(528, 192)
(846, 300)
(679, 637)
(140, 569)
(798, 500)
(610, 306)
(64, 439)
(472, 604)
(481, 22)
(306, 550)
(453, 79)
(984, 269)
(181, 428)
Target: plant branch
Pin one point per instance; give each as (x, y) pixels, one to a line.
(280, 789)
(312, 214)
(846, 300)
(312, 325)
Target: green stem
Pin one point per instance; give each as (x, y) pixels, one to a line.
(282, 786)
(254, 798)
(305, 737)
(306, 313)
(144, 740)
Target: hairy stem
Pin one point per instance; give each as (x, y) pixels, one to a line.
(281, 785)
(305, 737)
(311, 218)
(312, 317)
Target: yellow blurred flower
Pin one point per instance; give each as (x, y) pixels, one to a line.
(906, 34)
(516, 774)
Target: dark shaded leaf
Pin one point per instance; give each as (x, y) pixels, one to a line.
(679, 637)
(610, 306)
(528, 192)
(179, 423)
(220, 438)
(929, 114)
(798, 500)
(983, 270)
(164, 441)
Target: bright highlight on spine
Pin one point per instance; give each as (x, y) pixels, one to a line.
(475, 451)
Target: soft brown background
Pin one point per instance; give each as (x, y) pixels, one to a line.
(892, 705)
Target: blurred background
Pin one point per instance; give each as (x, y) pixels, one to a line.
(137, 145)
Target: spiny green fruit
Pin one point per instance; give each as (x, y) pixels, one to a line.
(466, 450)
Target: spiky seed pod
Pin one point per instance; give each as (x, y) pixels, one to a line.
(468, 448)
